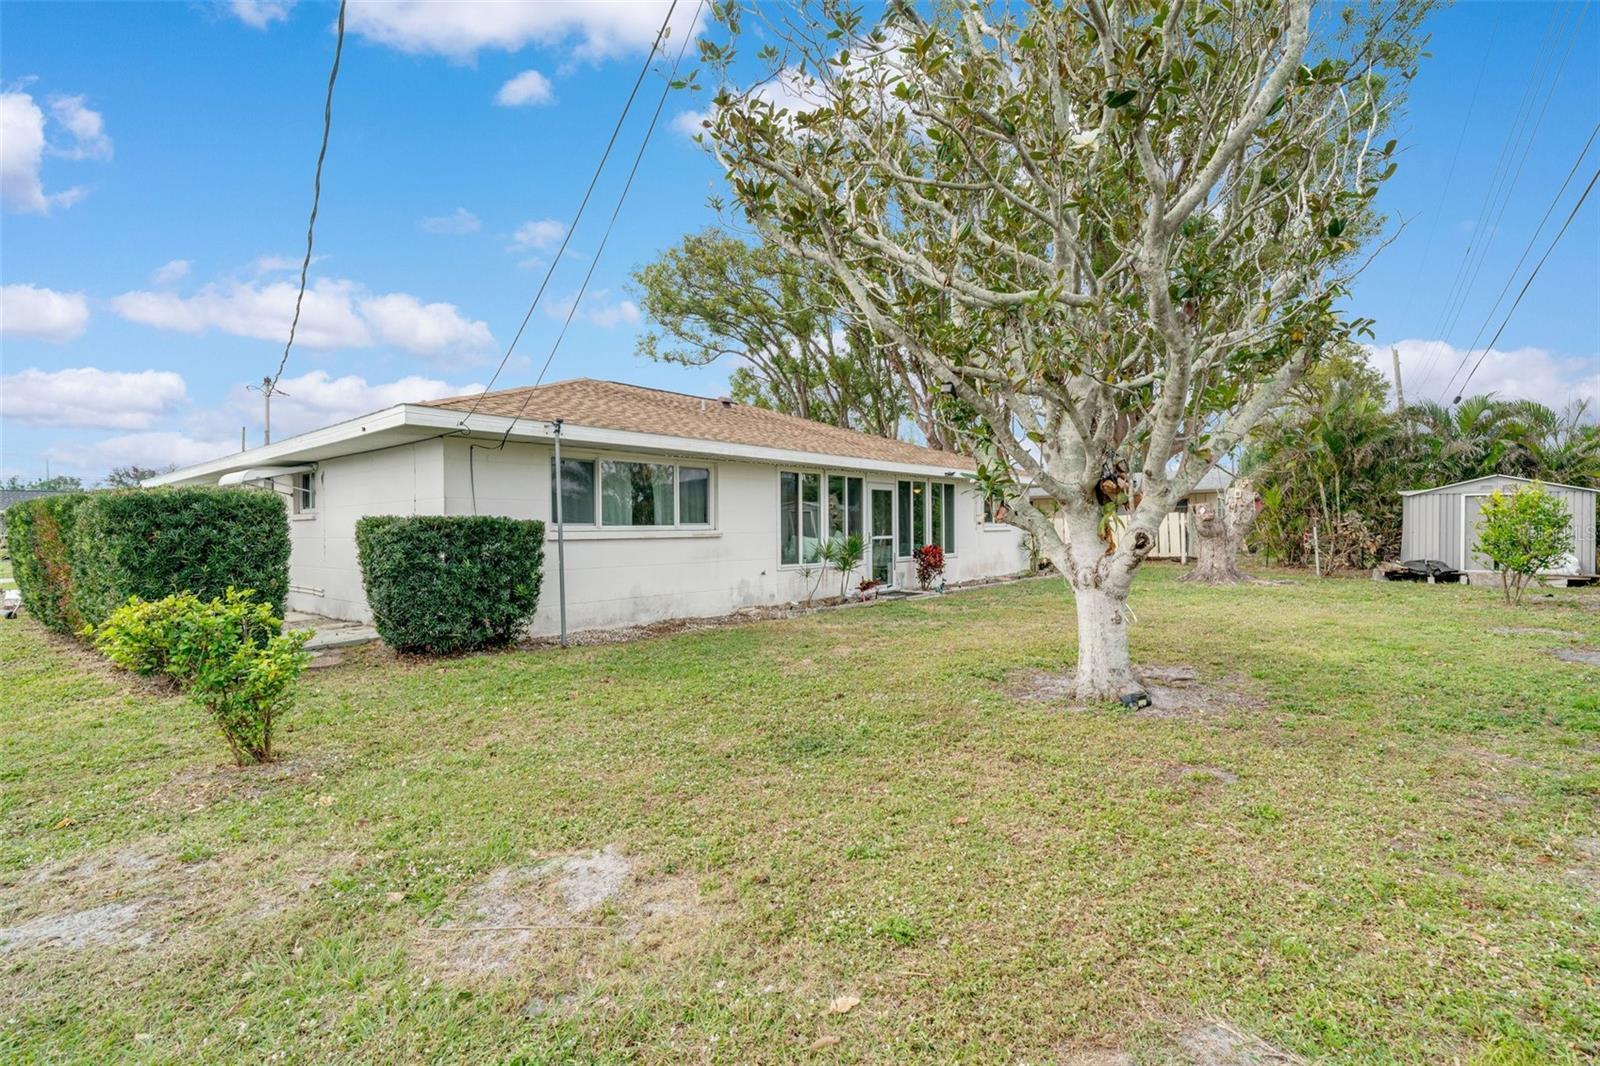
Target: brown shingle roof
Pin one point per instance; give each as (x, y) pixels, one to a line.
(613, 405)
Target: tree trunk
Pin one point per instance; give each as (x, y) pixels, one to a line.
(1105, 672)
(1220, 536)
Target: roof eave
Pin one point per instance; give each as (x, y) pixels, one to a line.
(1508, 477)
(392, 424)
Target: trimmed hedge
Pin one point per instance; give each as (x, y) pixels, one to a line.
(39, 537)
(444, 584)
(80, 557)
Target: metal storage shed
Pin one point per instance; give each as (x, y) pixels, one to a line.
(1441, 523)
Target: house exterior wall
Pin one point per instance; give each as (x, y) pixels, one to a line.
(615, 577)
(1431, 523)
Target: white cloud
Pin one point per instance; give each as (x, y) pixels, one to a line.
(526, 89)
(88, 396)
(170, 271)
(426, 330)
(29, 311)
(690, 123)
(1519, 374)
(260, 13)
(543, 233)
(458, 222)
(156, 448)
(87, 128)
(316, 399)
(277, 264)
(598, 309)
(328, 317)
(22, 146)
(462, 28)
(336, 313)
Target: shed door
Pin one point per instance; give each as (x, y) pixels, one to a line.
(1472, 510)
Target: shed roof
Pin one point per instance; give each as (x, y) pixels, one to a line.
(1500, 477)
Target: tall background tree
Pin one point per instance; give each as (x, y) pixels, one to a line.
(1114, 234)
(714, 297)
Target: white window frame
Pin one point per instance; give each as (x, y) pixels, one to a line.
(930, 484)
(824, 526)
(599, 525)
(298, 494)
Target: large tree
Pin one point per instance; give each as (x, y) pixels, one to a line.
(713, 296)
(1114, 232)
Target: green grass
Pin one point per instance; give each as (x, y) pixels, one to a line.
(1397, 874)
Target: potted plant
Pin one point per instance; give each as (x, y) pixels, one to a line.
(868, 589)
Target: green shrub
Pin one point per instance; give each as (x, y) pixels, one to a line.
(447, 584)
(39, 534)
(1525, 533)
(155, 542)
(229, 654)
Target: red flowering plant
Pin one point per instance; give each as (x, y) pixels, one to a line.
(930, 564)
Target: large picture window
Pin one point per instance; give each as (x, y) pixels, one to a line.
(618, 493)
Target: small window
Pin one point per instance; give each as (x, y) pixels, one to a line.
(305, 493)
(636, 494)
(694, 495)
(577, 491)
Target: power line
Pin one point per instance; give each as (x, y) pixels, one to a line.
(593, 181)
(1576, 163)
(1513, 136)
(1557, 240)
(1505, 201)
(316, 199)
(617, 210)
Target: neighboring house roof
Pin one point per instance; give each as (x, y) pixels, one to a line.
(1215, 480)
(614, 405)
(598, 414)
(1499, 477)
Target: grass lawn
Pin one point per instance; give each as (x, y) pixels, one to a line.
(1388, 851)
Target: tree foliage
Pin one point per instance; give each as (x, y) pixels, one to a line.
(714, 297)
(1115, 236)
(1525, 533)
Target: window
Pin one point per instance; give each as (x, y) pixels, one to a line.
(618, 493)
(944, 516)
(694, 496)
(814, 508)
(789, 518)
(810, 517)
(994, 510)
(844, 506)
(305, 493)
(927, 515)
(577, 491)
(903, 548)
(636, 494)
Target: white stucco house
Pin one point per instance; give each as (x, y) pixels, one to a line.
(674, 506)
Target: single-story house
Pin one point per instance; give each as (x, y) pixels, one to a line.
(674, 506)
(1441, 523)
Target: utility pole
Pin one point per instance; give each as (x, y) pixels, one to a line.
(561, 537)
(266, 389)
(1399, 390)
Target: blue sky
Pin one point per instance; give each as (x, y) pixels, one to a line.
(157, 170)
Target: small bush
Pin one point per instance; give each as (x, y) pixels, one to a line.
(930, 564)
(445, 584)
(1524, 533)
(229, 654)
(39, 533)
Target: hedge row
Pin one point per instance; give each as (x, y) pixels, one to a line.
(79, 557)
(450, 583)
